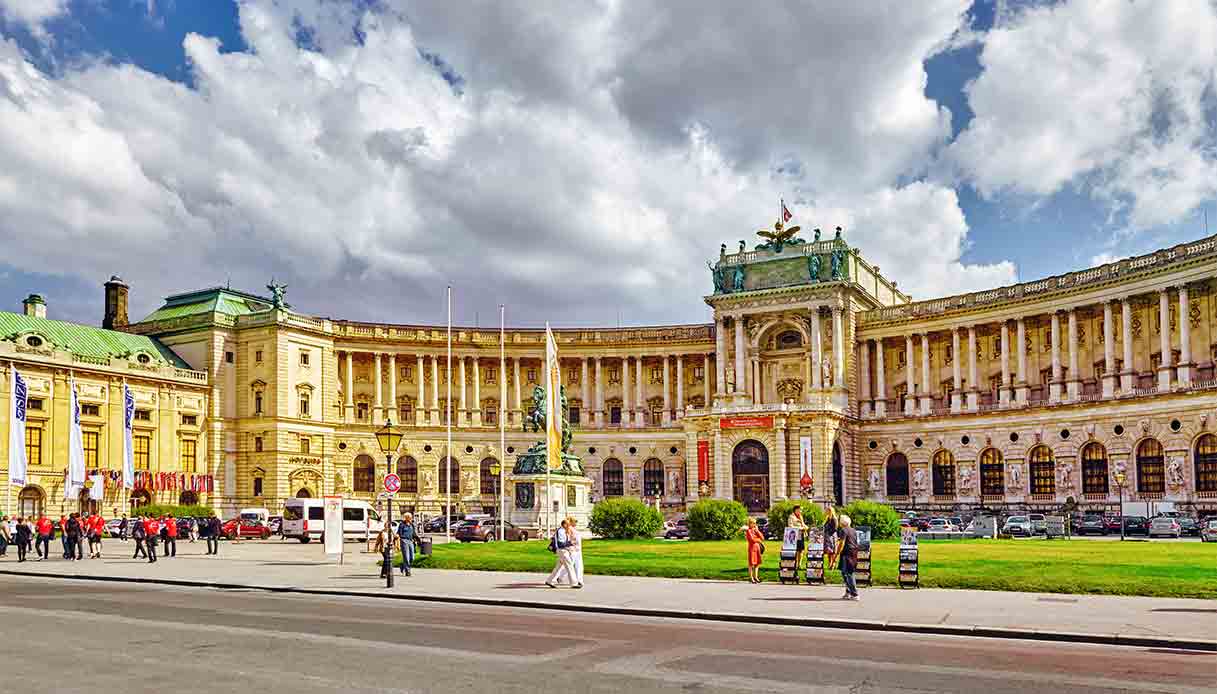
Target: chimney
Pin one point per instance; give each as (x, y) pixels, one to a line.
(116, 304)
(34, 306)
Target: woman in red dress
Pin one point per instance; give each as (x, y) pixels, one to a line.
(756, 548)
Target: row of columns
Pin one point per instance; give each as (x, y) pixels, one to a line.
(634, 412)
(750, 372)
(1015, 391)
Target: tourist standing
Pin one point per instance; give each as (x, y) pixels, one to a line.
(139, 535)
(170, 537)
(407, 535)
(6, 537)
(576, 552)
(23, 538)
(561, 547)
(46, 530)
(795, 520)
(122, 528)
(96, 527)
(213, 534)
(152, 528)
(63, 535)
(849, 557)
(756, 550)
(72, 534)
(830, 537)
(194, 529)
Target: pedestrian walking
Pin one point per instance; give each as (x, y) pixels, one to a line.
(46, 531)
(123, 528)
(560, 546)
(830, 537)
(756, 550)
(96, 527)
(194, 529)
(849, 557)
(407, 535)
(576, 552)
(137, 533)
(213, 535)
(6, 537)
(152, 529)
(170, 536)
(73, 534)
(63, 535)
(22, 537)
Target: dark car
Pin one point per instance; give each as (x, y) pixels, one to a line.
(1189, 526)
(680, 531)
(244, 527)
(1092, 525)
(1136, 525)
(486, 530)
(920, 522)
(1112, 523)
(440, 523)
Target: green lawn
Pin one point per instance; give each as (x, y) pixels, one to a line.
(1163, 569)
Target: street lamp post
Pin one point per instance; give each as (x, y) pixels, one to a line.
(1120, 488)
(389, 440)
(495, 468)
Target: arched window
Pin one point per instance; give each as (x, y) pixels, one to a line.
(488, 478)
(31, 501)
(652, 478)
(992, 473)
(444, 467)
(1094, 468)
(407, 470)
(1042, 470)
(789, 339)
(613, 478)
(897, 475)
(1205, 461)
(363, 478)
(944, 473)
(1151, 470)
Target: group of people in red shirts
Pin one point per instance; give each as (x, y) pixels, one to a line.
(74, 530)
(146, 532)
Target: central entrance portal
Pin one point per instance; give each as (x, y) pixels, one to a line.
(750, 475)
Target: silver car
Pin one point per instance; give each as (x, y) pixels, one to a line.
(1018, 525)
(1165, 526)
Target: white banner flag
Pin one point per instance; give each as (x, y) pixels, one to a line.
(97, 491)
(128, 448)
(76, 451)
(805, 477)
(333, 526)
(553, 401)
(16, 430)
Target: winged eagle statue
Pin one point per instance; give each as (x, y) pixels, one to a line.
(780, 237)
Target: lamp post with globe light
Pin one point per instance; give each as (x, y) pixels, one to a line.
(1120, 487)
(389, 440)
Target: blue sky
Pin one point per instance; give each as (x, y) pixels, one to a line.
(1012, 226)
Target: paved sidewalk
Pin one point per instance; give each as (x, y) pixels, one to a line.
(291, 566)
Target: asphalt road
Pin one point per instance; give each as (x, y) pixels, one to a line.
(77, 636)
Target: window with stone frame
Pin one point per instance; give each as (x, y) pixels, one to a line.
(490, 412)
(363, 477)
(652, 478)
(304, 405)
(613, 478)
(487, 479)
(257, 444)
(406, 373)
(573, 375)
(1041, 468)
(490, 375)
(33, 444)
(699, 374)
(655, 411)
(305, 444)
(257, 486)
(407, 470)
(897, 470)
(944, 473)
(405, 409)
(361, 411)
(531, 375)
(574, 410)
(141, 448)
(614, 408)
(189, 455)
(446, 465)
(90, 442)
(614, 375)
(902, 392)
(948, 387)
(992, 473)
(656, 374)
(1205, 463)
(1151, 467)
(1094, 468)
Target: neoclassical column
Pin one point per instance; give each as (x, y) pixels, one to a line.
(627, 413)
(477, 392)
(817, 370)
(640, 403)
(1185, 338)
(720, 358)
(864, 395)
(927, 394)
(667, 393)
(599, 395)
(350, 388)
(420, 408)
(378, 407)
(515, 373)
(741, 379)
(1164, 342)
(1126, 374)
(1003, 393)
(956, 377)
(393, 388)
(758, 382)
(705, 372)
(881, 380)
(778, 482)
(838, 347)
(435, 418)
(1075, 375)
(680, 386)
(585, 394)
(1021, 391)
(1054, 385)
(910, 400)
(460, 375)
(973, 388)
(1109, 352)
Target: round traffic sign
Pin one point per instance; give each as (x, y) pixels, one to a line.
(392, 483)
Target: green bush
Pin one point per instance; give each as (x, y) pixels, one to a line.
(883, 520)
(813, 515)
(624, 519)
(195, 511)
(716, 519)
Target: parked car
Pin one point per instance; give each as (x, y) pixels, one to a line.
(1165, 526)
(957, 521)
(244, 527)
(1018, 525)
(1189, 526)
(1093, 524)
(679, 532)
(1112, 523)
(920, 522)
(487, 530)
(440, 523)
(1136, 525)
(942, 525)
(1209, 532)
(1039, 524)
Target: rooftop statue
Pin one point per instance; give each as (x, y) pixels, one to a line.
(737, 279)
(720, 278)
(813, 267)
(838, 264)
(277, 292)
(779, 238)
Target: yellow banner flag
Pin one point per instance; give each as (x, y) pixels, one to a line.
(553, 402)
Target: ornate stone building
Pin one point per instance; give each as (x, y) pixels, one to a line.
(1021, 396)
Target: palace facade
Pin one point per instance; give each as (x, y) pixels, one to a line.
(1088, 386)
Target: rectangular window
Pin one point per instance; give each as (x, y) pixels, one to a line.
(361, 410)
(614, 375)
(407, 373)
(257, 444)
(573, 415)
(258, 357)
(189, 450)
(90, 410)
(258, 404)
(615, 414)
(34, 404)
(258, 487)
(89, 440)
(141, 446)
(492, 375)
(303, 405)
(532, 375)
(305, 443)
(699, 372)
(1043, 478)
(190, 420)
(228, 357)
(304, 357)
(490, 414)
(572, 375)
(143, 415)
(656, 374)
(33, 444)
(656, 416)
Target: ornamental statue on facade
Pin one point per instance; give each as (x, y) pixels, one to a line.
(874, 482)
(277, 292)
(534, 461)
(838, 264)
(737, 279)
(1174, 473)
(720, 278)
(779, 238)
(919, 481)
(813, 267)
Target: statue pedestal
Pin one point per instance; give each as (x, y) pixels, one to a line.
(535, 504)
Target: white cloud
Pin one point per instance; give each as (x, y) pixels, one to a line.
(32, 13)
(1117, 98)
(570, 177)
(1103, 259)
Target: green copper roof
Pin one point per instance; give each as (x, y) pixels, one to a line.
(86, 341)
(228, 302)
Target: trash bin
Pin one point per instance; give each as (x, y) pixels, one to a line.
(424, 546)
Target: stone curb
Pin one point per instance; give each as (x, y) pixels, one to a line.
(813, 622)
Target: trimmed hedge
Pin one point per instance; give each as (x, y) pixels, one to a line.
(624, 519)
(716, 519)
(883, 520)
(813, 515)
(195, 511)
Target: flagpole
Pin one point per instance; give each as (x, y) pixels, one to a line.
(448, 409)
(502, 421)
(549, 413)
(8, 475)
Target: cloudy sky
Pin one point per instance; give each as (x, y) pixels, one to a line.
(580, 161)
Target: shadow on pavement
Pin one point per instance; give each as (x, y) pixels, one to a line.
(1191, 610)
(516, 586)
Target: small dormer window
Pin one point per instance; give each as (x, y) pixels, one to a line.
(33, 341)
(143, 359)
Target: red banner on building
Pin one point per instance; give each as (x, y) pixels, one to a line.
(746, 423)
(703, 461)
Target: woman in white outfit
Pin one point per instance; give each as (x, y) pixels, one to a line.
(576, 553)
(563, 566)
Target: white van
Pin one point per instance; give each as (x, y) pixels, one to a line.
(258, 515)
(304, 519)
